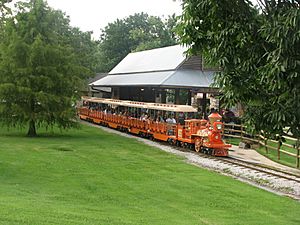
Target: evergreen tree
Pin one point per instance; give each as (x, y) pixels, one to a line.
(40, 72)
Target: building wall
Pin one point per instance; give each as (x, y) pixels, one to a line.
(142, 94)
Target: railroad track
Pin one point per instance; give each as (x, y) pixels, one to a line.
(263, 171)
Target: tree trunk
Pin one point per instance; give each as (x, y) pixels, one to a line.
(31, 130)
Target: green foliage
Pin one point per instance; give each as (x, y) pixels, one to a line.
(79, 177)
(4, 9)
(41, 68)
(135, 33)
(258, 52)
(4, 12)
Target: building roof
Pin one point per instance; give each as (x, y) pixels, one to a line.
(160, 59)
(164, 67)
(177, 78)
(98, 77)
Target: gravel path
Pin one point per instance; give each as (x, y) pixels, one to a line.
(273, 184)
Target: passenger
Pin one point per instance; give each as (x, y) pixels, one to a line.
(158, 119)
(169, 120)
(173, 120)
(181, 118)
(144, 117)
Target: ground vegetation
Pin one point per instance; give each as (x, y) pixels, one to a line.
(79, 177)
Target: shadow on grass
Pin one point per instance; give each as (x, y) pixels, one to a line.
(63, 149)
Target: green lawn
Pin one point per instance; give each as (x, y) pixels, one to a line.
(88, 176)
(284, 158)
(233, 141)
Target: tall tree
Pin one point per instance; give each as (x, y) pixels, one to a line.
(4, 9)
(135, 33)
(258, 51)
(40, 70)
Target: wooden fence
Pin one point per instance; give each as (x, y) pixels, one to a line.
(289, 148)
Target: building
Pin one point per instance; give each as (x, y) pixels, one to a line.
(100, 92)
(162, 75)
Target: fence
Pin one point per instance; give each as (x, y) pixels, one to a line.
(288, 148)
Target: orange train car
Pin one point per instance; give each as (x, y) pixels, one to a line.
(165, 122)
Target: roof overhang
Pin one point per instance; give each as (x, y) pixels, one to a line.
(168, 79)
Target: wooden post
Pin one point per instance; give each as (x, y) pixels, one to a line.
(297, 147)
(298, 151)
(241, 132)
(278, 150)
(266, 145)
(265, 141)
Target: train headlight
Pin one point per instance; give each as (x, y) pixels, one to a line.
(219, 126)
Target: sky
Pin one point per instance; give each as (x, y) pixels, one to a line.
(93, 15)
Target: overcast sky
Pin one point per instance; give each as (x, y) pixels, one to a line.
(92, 15)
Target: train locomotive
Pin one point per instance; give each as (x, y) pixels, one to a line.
(165, 122)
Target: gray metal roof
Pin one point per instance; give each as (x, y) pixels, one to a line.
(98, 77)
(160, 59)
(190, 78)
(151, 78)
(175, 78)
(163, 67)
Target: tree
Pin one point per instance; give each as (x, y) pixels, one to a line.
(40, 70)
(258, 51)
(135, 33)
(4, 9)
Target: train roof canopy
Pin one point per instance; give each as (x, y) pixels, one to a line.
(142, 105)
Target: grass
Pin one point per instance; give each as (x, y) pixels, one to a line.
(272, 154)
(284, 158)
(233, 141)
(88, 176)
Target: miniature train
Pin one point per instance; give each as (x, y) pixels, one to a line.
(170, 123)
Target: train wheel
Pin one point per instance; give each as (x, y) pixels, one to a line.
(198, 144)
(208, 151)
